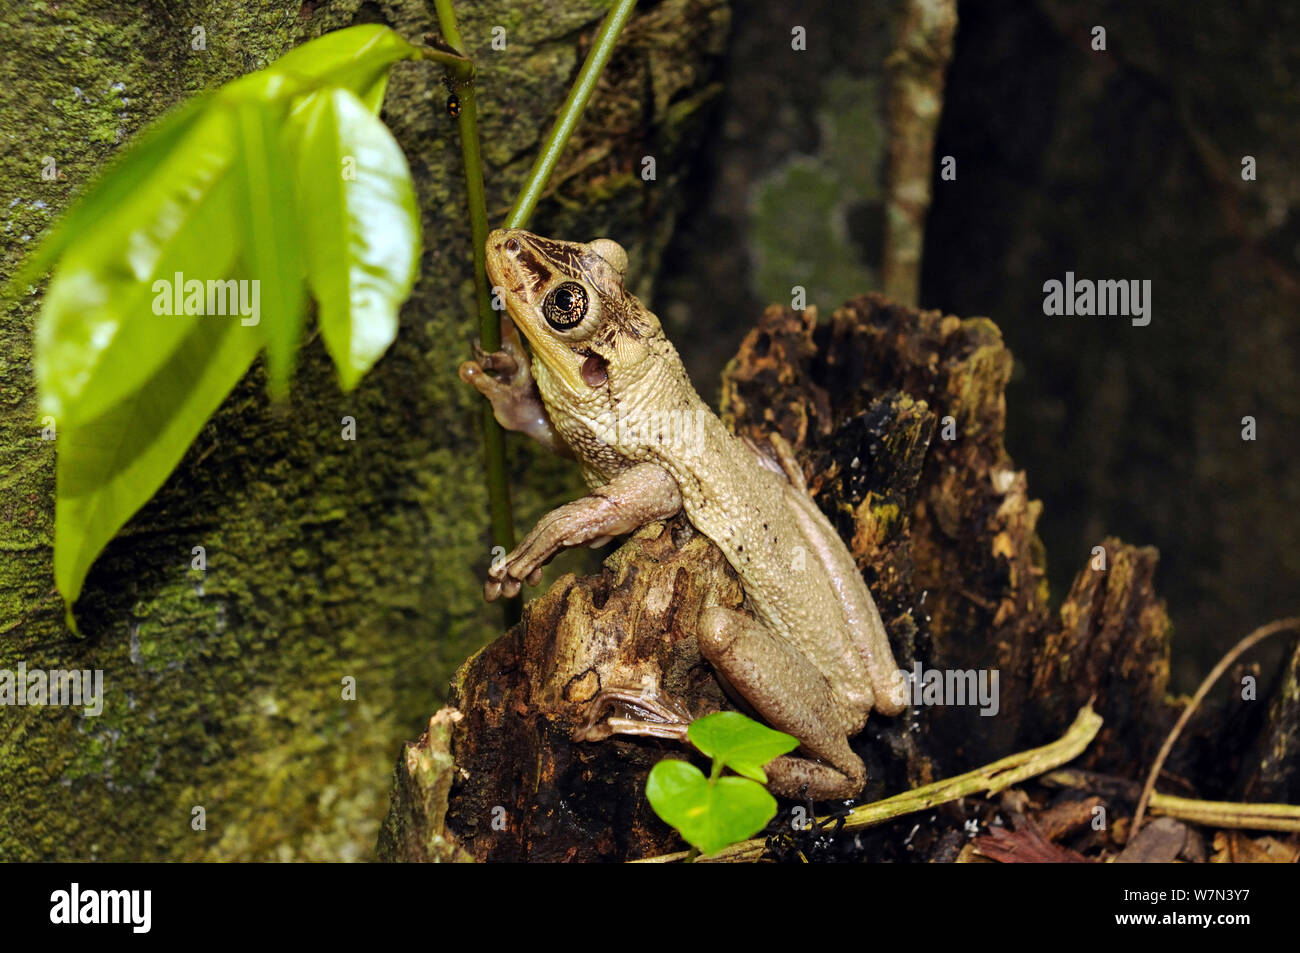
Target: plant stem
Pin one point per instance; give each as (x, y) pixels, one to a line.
(1263, 632)
(447, 23)
(460, 73)
(990, 779)
(1253, 816)
(570, 113)
(452, 61)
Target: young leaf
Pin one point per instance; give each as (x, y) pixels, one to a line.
(99, 336)
(357, 58)
(740, 743)
(266, 209)
(108, 467)
(148, 216)
(209, 186)
(708, 815)
(360, 226)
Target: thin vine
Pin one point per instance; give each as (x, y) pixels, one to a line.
(460, 79)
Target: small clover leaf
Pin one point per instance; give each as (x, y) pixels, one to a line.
(740, 743)
(709, 813)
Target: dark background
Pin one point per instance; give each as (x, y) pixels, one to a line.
(1121, 164)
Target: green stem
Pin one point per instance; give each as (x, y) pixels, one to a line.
(447, 23)
(460, 73)
(449, 60)
(570, 113)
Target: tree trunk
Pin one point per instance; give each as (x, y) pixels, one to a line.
(326, 558)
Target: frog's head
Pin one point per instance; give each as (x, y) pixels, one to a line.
(569, 300)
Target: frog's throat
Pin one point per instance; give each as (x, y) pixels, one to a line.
(557, 358)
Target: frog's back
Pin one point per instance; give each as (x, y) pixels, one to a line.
(745, 508)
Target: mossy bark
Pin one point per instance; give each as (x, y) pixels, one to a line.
(326, 558)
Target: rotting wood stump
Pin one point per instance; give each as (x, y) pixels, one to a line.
(897, 416)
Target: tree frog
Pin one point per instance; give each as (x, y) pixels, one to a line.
(605, 386)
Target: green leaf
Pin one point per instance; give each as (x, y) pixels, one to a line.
(357, 58)
(207, 193)
(266, 211)
(360, 226)
(108, 467)
(709, 816)
(740, 743)
(154, 215)
(99, 336)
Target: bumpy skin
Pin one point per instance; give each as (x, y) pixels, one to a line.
(814, 660)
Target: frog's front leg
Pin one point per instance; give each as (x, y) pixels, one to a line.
(792, 696)
(639, 495)
(505, 379)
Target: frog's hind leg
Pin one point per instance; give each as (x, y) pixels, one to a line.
(861, 614)
(791, 695)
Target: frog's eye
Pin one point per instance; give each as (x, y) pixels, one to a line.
(565, 306)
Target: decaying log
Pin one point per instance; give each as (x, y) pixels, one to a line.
(1112, 644)
(415, 829)
(531, 792)
(1271, 770)
(897, 416)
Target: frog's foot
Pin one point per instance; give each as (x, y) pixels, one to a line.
(656, 716)
(791, 695)
(639, 495)
(504, 378)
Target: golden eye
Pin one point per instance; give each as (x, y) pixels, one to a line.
(565, 306)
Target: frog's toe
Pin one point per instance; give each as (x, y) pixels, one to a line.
(800, 779)
(468, 371)
(472, 373)
(499, 363)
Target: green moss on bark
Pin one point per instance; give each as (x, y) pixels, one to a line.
(326, 558)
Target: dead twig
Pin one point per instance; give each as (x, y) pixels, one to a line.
(1260, 817)
(1263, 632)
(989, 779)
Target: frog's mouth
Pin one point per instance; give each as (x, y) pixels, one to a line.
(516, 268)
